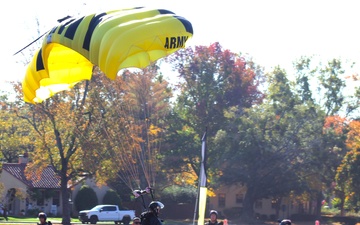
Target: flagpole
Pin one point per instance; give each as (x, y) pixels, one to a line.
(196, 203)
(202, 192)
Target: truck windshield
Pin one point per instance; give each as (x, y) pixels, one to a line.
(97, 207)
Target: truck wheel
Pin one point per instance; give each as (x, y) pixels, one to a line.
(126, 220)
(93, 219)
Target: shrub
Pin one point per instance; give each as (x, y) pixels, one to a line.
(336, 202)
(32, 212)
(179, 194)
(112, 198)
(85, 199)
(233, 212)
(273, 217)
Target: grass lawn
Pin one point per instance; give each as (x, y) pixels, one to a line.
(34, 220)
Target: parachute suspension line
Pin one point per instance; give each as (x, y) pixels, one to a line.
(146, 157)
(31, 43)
(59, 21)
(151, 128)
(128, 160)
(144, 161)
(128, 174)
(137, 151)
(124, 174)
(102, 157)
(153, 145)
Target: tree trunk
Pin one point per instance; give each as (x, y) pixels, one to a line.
(65, 198)
(342, 202)
(319, 200)
(248, 210)
(277, 207)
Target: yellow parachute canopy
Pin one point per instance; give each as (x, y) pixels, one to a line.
(111, 40)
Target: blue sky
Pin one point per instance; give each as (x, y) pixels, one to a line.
(272, 32)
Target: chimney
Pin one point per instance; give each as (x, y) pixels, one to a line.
(23, 159)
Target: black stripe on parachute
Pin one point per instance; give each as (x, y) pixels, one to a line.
(70, 32)
(39, 61)
(92, 25)
(186, 24)
(164, 11)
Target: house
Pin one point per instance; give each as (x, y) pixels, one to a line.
(229, 200)
(23, 196)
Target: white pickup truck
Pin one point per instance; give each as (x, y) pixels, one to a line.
(106, 213)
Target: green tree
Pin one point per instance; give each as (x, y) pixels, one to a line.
(266, 147)
(330, 96)
(333, 86)
(333, 100)
(303, 79)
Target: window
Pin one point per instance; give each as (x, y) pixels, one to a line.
(108, 208)
(239, 198)
(41, 198)
(222, 197)
(56, 198)
(274, 203)
(258, 204)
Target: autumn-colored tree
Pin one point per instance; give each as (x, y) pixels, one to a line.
(134, 107)
(14, 133)
(62, 126)
(347, 176)
(212, 79)
(101, 127)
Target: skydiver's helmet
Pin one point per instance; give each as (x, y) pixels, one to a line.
(155, 206)
(42, 215)
(285, 222)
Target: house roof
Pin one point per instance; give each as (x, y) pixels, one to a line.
(48, 178)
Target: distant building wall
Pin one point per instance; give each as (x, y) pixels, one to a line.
(231, 198)
(9, 182)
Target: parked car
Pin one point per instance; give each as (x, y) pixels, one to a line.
(106, 213)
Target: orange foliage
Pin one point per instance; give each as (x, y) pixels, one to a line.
(335, 123)
(353, 137)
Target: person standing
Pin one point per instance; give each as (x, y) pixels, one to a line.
(5, 213)
(136, 221)
(213, 218)
(42, 219)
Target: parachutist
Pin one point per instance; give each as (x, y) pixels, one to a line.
(151, 217)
